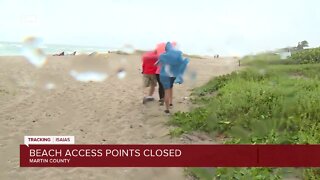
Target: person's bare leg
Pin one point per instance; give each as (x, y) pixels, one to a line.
(151, 90)
(167, 98)
(171, 95)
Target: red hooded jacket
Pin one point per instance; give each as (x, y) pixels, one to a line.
(148, 61)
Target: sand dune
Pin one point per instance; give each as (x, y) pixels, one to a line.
(95, 113)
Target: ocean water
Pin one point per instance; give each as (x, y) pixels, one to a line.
(16, 49)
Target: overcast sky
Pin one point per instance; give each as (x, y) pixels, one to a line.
(229, 27)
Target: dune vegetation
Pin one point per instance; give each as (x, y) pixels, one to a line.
(269, 101)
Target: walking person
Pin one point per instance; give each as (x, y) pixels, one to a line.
(160, 50)
(160, 87)
(149, 74)
(173, 66)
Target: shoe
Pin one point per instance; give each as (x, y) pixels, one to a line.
(167, 112)
(161, 102)
(150, 98)
(144, 101)
(147, 99)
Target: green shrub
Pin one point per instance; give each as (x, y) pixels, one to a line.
(265, 104)
(307, 56)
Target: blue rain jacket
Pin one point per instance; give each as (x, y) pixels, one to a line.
(172, 63)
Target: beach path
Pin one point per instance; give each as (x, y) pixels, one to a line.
(109, 112)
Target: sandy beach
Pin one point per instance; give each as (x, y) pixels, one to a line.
(108, 112)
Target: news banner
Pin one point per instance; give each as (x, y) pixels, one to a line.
(61, 151)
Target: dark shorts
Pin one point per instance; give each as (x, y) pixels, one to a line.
(167, 82)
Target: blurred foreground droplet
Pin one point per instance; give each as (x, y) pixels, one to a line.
(262, 71)
(32, 51)
(167, 69)
(89, 68)
(190, 77)
(88, 76)
(127, 48)
(46, 80)
(50, 86)
(121, 73)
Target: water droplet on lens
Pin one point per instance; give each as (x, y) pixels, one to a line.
(127, 48)
(262, 71)
(32, 51)
(121, 74)
(50, 86)
(167, 70)
(88, 76)
(46, 80)
(89, 68)
(191, 77)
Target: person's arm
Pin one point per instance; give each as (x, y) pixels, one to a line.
(156, 63)
(159, 61)
(142, 61)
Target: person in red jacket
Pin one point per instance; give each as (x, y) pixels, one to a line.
(149, 73)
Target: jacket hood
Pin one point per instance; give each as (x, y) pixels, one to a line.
(169, 47)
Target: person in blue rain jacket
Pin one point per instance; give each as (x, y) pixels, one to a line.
(173, 66)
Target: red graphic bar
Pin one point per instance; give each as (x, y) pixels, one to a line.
(289, 155)
(170, 156)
